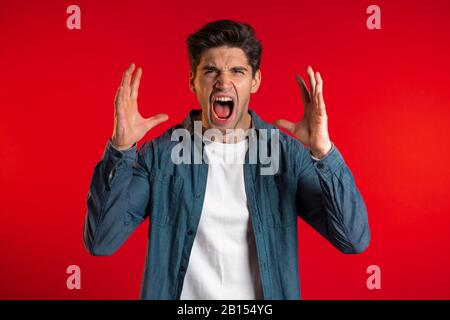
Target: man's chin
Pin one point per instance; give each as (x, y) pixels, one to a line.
(223, 125)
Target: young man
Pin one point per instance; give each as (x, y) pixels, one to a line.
(222, 230)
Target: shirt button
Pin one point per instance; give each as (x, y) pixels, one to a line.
(198, 195)
(182, 269)
(190, 233)
(320, 165)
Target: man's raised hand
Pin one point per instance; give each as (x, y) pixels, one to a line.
(312, 130)
(129, 125)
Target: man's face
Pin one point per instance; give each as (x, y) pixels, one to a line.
(223, 84)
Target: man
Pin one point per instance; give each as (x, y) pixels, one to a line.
(222, 230)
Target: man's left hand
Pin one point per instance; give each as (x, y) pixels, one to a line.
(312, 130)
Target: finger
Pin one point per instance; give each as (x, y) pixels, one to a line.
(127, 74)
(126, 78)
(118, 99)
(319, 83)
(135, 83)
(312, 81)
(119, 104)
(317, 89)
(155, 120)
(321, 104)
(304, 90)
(117, 96)
(285, 124)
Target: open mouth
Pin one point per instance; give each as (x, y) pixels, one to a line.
(223, 106)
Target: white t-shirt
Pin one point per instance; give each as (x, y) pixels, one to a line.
(223, 262)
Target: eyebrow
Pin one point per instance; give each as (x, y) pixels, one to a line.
(209, 67)
(212, 67)
(239, 68)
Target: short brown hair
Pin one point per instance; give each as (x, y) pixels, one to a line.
(224, 33)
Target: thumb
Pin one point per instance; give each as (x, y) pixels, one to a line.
(155, 120)
(285, 124)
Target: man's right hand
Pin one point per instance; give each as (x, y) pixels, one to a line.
(129, 125)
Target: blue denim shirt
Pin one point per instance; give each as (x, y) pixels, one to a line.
(129, 186)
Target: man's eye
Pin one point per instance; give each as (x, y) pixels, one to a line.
(239, 71)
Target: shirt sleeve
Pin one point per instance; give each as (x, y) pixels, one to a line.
(117, 198)
(330, 201)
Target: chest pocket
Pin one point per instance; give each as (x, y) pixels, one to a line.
(280, 200)
(165, 198)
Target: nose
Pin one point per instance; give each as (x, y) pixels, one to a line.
(223, 81)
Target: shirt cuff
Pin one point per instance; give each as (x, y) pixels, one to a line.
(329, 151)
(112, 153)
(125, 150)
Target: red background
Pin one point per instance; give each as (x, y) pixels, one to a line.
(387, 99)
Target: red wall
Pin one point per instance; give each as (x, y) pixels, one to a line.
(387, 99)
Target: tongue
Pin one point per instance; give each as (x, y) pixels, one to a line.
(222, 111)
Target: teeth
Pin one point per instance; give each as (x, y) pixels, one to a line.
(223, 99)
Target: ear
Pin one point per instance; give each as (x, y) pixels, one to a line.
(191, 81)
(256, 81)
